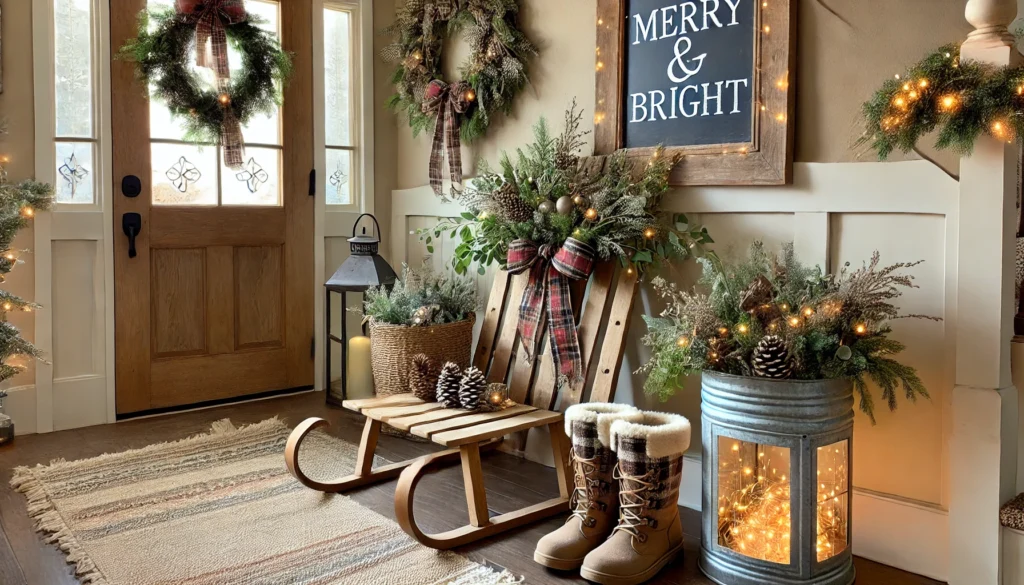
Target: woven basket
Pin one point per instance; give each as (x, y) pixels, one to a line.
(392, 348)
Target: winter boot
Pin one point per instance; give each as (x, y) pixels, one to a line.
(648, 534)
(595, 501)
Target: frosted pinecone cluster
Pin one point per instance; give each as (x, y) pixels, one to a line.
(458, 389)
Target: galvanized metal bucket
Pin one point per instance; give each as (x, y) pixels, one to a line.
(777, 481)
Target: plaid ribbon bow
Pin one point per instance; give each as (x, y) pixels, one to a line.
(210, 18)
(447, 102)
(549, 274)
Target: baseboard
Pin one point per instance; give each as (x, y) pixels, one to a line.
(901, 533)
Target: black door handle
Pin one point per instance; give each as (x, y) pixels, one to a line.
(131, 223)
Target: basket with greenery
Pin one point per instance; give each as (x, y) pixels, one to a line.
(423, 313)
(771, 316)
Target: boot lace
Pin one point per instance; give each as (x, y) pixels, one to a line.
(635, 493)
(587, 487)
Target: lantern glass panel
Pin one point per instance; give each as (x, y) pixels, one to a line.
(833, 500)
(754, 504)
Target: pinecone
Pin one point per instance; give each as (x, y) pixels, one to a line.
(423, 376)
(448, 385)
(760, 292)
(566, 161)
(510, 205)
(771, 358)
(471, 389)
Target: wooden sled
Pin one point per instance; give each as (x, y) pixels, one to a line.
(603, 310)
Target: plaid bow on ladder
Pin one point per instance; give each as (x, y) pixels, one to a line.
(448, 102)
(549, 274)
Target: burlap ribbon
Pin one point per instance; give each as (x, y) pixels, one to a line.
(447, 102)
(550, 271)
(211, 17)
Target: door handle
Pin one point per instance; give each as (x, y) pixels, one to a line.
(131, 223)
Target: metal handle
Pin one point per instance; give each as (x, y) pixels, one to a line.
(356, 224)
(131, 223)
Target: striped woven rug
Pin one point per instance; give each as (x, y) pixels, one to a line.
(221, 509)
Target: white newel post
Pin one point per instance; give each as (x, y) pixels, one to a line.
(983, 445)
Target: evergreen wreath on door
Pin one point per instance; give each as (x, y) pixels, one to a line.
(492, 76)
(213, 107)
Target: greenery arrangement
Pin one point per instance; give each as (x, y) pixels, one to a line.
(421, 297)
(769, 315)
(161, 52)
(546, 193)
(18, 205)
(495, 69)
(960, 99)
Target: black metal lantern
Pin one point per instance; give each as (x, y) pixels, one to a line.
(362, 270)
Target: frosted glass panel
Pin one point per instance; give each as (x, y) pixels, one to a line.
(258, 182)
(184, 175)
(337, 79)
(73, 67)
(339, 177)
(75, 176)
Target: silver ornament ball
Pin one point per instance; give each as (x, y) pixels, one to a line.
(564, 205)
(546, 207)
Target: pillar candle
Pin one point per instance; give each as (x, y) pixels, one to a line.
(360, 375)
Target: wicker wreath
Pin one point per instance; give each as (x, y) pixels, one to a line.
(210, 109)
(493, 75)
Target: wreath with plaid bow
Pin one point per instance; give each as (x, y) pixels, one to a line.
(493, 74)
(212, 103)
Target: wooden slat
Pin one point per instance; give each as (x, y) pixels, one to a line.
(615, 338)
(507, 337)
(392, 401)
(389, 412)
(404, 423)
(429, 430)
(498, 428)
(590, 326)
(491, 319)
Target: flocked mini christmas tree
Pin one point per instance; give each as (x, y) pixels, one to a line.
(448, 385)
(423, 377)
(471, 389)
(771, 358)
(18, 205)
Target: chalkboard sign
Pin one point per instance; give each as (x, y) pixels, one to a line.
(689, 72)
(711, 80)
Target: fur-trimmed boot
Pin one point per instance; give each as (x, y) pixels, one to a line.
(648, 534)
(595, 500)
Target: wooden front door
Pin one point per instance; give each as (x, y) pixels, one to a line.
(218, 301)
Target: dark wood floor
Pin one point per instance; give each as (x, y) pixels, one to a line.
(512, 483)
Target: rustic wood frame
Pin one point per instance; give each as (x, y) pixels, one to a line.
(768, 159)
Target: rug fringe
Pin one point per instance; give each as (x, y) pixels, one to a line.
(49, 521)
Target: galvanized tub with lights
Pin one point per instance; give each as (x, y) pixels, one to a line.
(777, 493)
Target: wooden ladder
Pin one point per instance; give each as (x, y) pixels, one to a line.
(603, 311)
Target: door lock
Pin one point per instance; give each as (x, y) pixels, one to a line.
(131, 223)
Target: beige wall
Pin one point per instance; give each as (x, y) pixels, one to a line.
(19, 144)
(842, 57)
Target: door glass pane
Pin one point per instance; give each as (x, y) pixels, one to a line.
(339, 177)
(184, 174)
(754, 515)
(833, 500)
(338, 67)
(258, 182)
(74, 172)
(73, 67)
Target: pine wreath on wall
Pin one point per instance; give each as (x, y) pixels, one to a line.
(492, 76)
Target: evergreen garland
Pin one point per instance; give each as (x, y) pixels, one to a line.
(495, 69)
(960, 99)
(615, 205)
(18, 204)
(162, 55)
